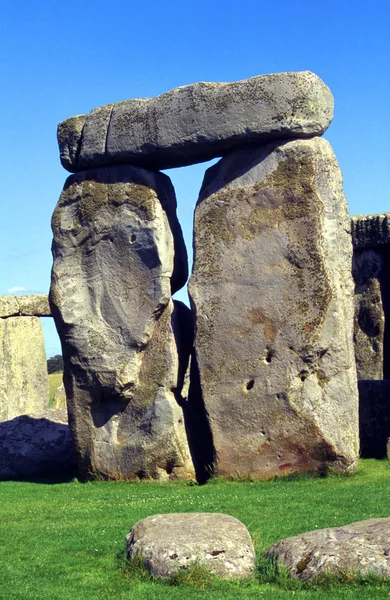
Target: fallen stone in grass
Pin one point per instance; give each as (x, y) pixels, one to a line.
(361, 548)
(169, 543)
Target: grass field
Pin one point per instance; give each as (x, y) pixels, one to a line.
(55, 380)
(66, 541)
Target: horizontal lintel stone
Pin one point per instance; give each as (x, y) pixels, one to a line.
(31, 305)
(197, 122)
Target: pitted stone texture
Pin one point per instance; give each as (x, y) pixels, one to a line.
(273, 296)
(370, 231)
(34, 305)
(197, 122)
(369, 322)
(37, 445)
(114, 259)
(361, 548)
(168, 543)
(24, 383)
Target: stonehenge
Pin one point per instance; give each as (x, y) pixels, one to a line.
(258, 379)
(282, 363)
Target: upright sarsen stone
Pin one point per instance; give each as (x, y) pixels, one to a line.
(272, 291)
(24, 384)
(118, 254)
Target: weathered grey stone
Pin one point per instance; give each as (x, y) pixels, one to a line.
(374, 417)
(69, 135)
(34, 305)
(272, 292)
(59, 399)
(370, 231)
(24, 383)
(117, 250)
(369, 322)
(168, 543)
(197, 122)
(37, 445)
(361, 548)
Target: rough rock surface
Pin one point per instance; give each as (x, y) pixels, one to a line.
(59, 399)
(359, 548)
(197, 122)
(171, 542)
(37, 445)
(24, 383)
(117, 251)
(369, 322)
(34, 305)
(272, 292)
(370, 231)
(374, 417)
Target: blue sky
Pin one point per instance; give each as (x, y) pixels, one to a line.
(59, 59)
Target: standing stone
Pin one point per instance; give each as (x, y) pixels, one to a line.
(272, 291)
(369, 322)
(24, 383)
(118, 254)
(197, 122)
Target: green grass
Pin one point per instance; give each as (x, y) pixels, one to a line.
(55, 380)
(66, 541)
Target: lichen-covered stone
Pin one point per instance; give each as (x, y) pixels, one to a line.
(172, 542)
(370, 231)
(369, 322)
(357, 549)
(34, 305)
(24, 383)
(37, 445)
(374, 417)
(117, 252)
(273, 296)
(197, 122)
(69, 135)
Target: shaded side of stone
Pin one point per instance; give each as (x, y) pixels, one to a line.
(34, 305)
(369, 321)
(374, 418)
(36, 446)
(172, 542)
(358, 549)
(197, 122)
(114, 261)
(273, 298)
(370, 231)
(24, 383)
